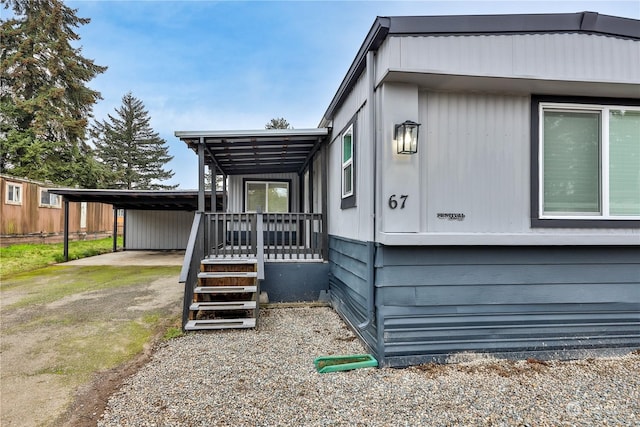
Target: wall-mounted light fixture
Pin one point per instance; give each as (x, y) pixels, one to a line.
(407, 137)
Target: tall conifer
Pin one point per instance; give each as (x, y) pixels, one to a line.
(45, 104)
(130, 148)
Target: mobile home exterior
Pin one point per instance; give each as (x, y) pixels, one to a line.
(510, 226)
(515, 228)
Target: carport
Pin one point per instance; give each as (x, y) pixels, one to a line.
(138, 200)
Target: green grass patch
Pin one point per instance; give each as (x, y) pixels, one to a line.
(172, 332)
(53, 283)
(62, 324)
(27, 257)
(101, 346)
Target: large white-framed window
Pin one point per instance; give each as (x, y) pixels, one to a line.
(588, 161)
(49, 200)
(347, 162)
(13, 193)
(268, 196)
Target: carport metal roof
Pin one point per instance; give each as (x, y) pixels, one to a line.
(257, 151)
(139, 199)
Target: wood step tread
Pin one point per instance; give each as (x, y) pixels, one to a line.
(195, 325)
(229, 261)
(223, 274)
(224, 289)
(223, 305)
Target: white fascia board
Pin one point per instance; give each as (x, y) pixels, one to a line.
(439, 81)
(620, 238)
(252, 133)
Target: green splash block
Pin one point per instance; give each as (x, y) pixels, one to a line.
(327, 364)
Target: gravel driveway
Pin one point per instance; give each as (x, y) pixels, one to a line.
(266, 377)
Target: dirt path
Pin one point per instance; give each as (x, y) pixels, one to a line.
(50, 350)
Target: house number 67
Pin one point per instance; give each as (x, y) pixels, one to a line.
(393, 201)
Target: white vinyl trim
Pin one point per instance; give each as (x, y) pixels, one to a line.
(16, 193)
(348, 163)
(604, 111)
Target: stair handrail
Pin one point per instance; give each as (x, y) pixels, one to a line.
(188, 255)
(260, 243)
(191, 264)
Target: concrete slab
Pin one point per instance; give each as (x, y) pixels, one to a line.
(132, 258)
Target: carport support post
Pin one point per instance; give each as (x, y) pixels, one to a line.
(214, 178)
(201, 207)
(124, 229)
(66, 230)
(224, 193)
(324, 191)
(115, 229)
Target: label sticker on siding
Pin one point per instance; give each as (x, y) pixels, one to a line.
(451, 216)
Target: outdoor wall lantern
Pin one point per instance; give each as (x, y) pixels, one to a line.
(407, 137)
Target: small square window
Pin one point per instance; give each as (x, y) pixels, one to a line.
(13, 193)
(48, 199)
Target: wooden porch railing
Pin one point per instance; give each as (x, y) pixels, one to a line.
(191, 264)
(286, 236)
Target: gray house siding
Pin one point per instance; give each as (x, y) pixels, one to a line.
(158, 230)
(295, 281)
(568, 57)
(349, 280)
(473, 159)
(546, 302)
(459, 267)
(465, 132)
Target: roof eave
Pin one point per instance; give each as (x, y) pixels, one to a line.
(582, 22)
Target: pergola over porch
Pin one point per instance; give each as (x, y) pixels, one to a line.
(264, 151)
(298, 233)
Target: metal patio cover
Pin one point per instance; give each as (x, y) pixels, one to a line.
(168, 200)
(257, 151)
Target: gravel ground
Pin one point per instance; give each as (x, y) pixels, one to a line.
(266, 377)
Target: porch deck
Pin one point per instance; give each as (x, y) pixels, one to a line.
(227, 239)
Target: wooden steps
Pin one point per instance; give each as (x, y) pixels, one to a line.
(226, 296)
(224, 289)
(197, 325)
(223, 305)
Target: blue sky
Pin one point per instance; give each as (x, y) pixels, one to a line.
(218, 65)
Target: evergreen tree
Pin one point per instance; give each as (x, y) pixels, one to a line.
(278, 123)
(128, 146)
(45, 105)
(207, 179)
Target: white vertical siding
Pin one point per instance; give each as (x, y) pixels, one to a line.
(356, 222)
(477, 162)
(352, 104)
(317, 184)
(577, 56)
(158, 230)
(399, 176)
(583, 57)
(474, 149)
(347, 222)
